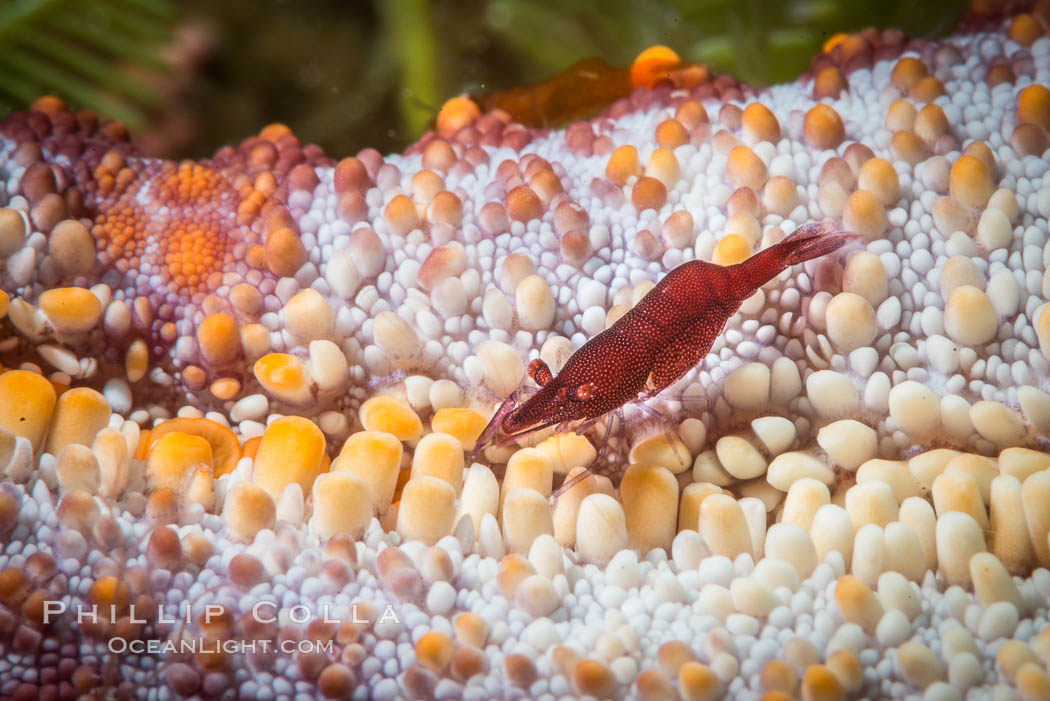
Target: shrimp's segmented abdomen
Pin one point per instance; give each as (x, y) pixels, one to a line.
(679, 320)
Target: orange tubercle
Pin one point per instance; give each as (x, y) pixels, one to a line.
(833, 41)
(653, 65)
(225, 448)
(273, 132)
(456, 113)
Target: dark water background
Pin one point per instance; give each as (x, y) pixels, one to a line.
(193, 75)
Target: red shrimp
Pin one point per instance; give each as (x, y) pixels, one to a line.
(654, 344)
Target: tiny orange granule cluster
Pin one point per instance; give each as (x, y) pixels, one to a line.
(186, 240)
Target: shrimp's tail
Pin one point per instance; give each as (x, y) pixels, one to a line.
(812, 240)
(809, 241)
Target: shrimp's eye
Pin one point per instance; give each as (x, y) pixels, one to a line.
(579, 394)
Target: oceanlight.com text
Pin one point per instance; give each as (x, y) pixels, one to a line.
(194, 646)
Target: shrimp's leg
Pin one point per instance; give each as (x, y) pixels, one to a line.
(624, 441)
(666, 422)
(595, 464)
